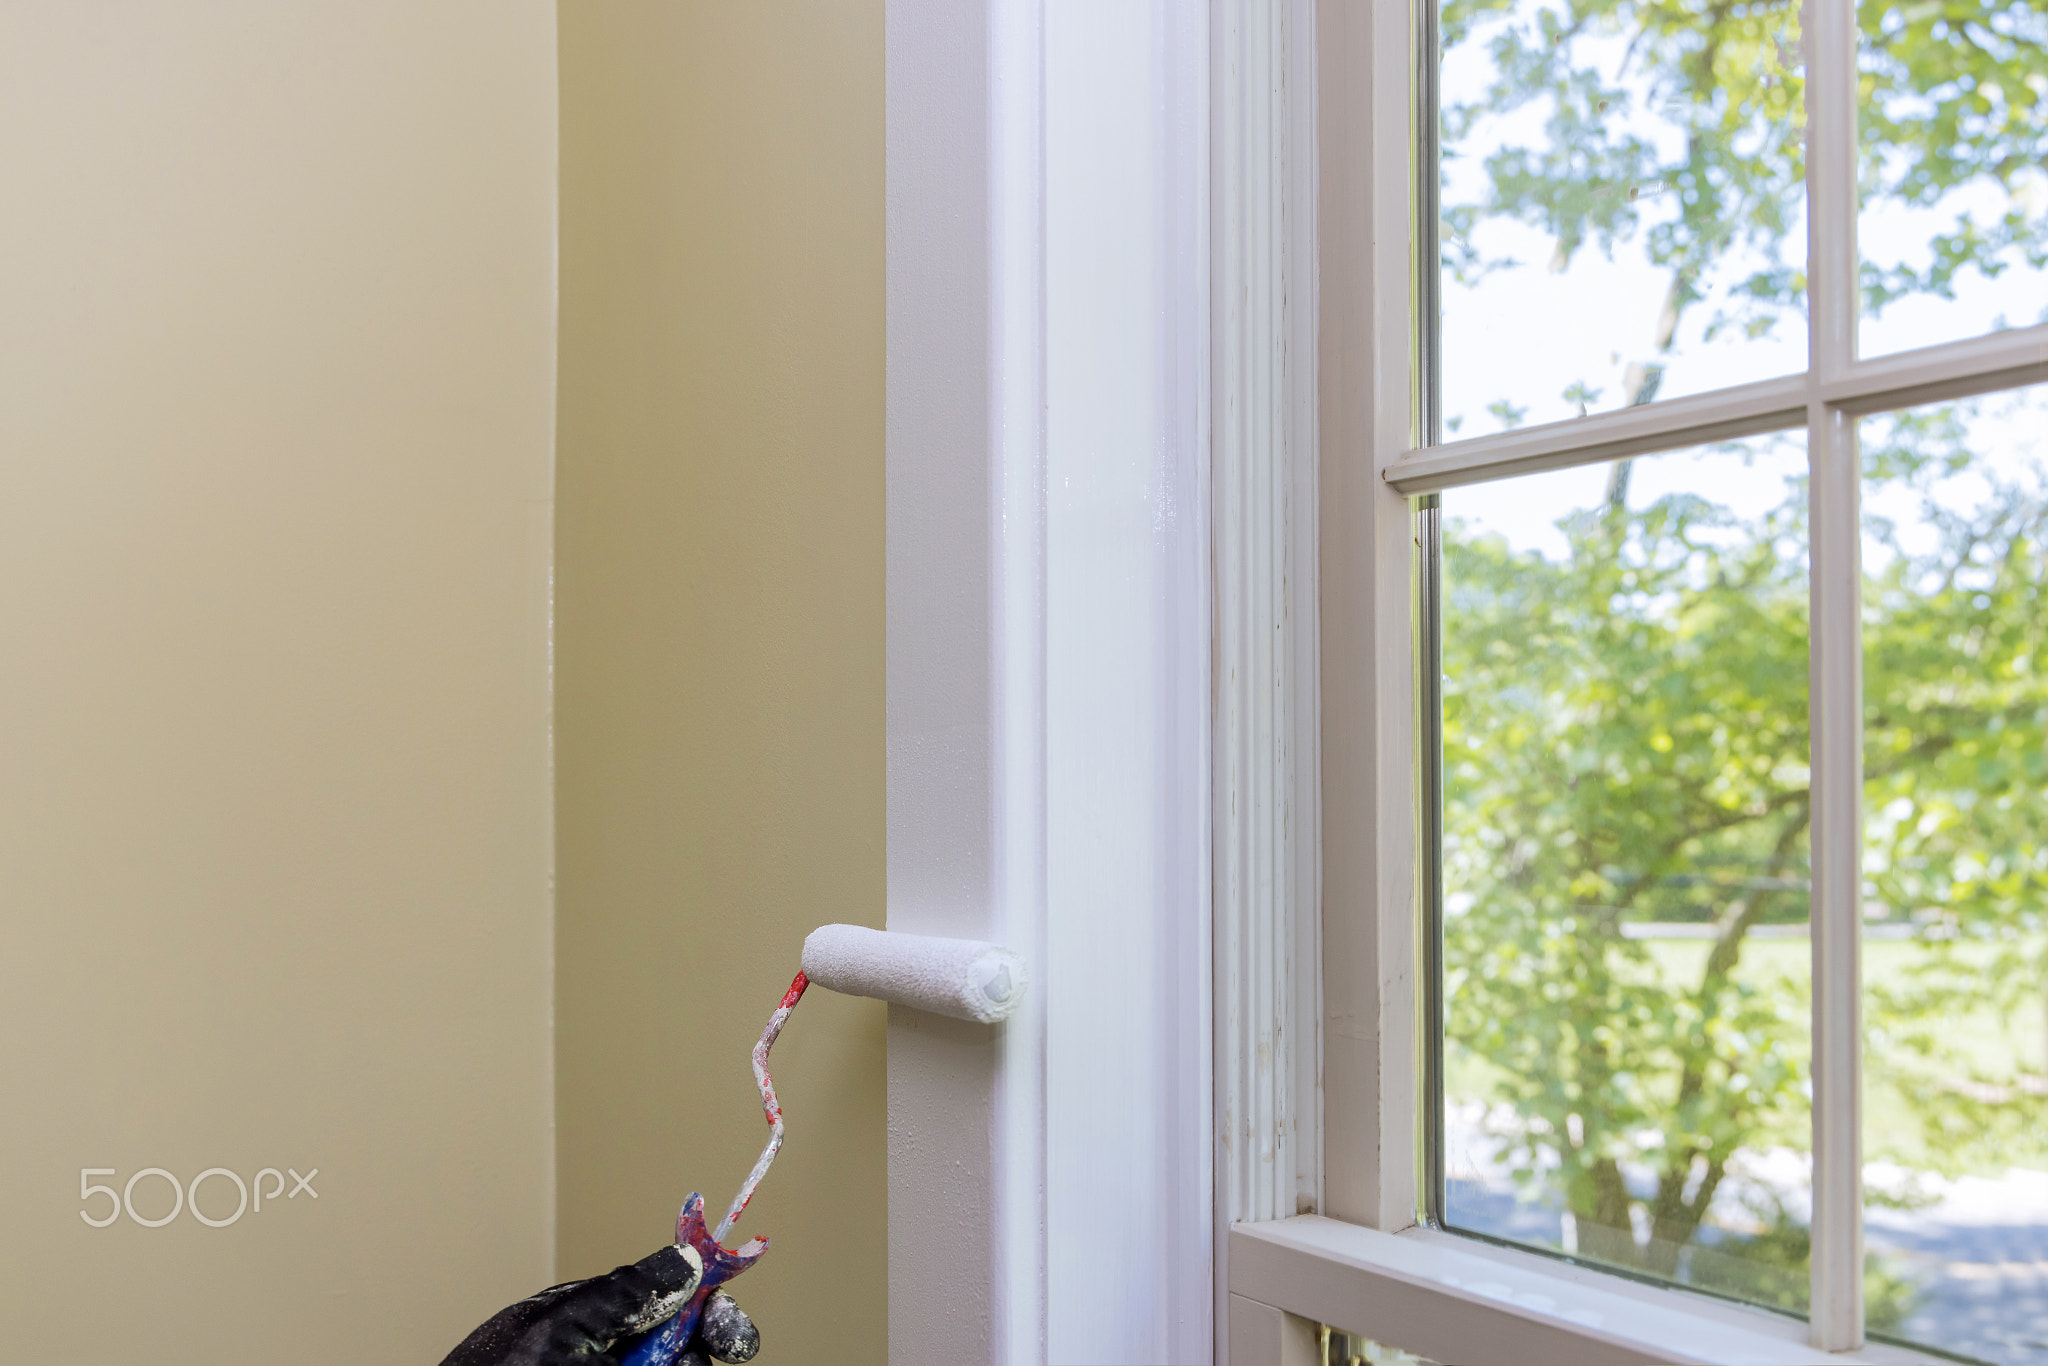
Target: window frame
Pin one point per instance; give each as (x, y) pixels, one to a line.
(1333, 134)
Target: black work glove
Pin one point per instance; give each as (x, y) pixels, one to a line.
(587, 1323)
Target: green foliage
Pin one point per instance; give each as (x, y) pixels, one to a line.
(1611, 79)
(1953, 93)
(1957, 769)
(1626, 734)
(1683, 121)
(1506, 413)
(1626, 740)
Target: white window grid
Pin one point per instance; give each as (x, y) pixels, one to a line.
(1320, 275)
(1825, 400)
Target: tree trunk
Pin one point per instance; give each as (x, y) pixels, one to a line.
(1605, 1230)
(1673, 1219)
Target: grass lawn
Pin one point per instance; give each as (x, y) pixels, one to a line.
(2006, 1047)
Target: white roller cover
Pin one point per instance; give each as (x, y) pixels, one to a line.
(964, 978)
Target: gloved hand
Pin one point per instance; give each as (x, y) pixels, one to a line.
(586, 1323)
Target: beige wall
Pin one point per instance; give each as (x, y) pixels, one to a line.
(720, 635)
(276, 348)
(277, 387)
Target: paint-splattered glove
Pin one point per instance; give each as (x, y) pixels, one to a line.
(587, 1323)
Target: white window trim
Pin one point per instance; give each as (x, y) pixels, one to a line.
(1451, 1298)
(1048, 649)
(1263, 499)
(1315, 845)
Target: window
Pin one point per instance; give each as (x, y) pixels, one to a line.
(1653, 687)
(1733, 516)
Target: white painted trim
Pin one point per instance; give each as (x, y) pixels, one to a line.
(1261, 1335)
(1265, 784)
(1129, 1074)
(1017, 530)
(1366, 420)
(1451, 1299)
(1267, 881)
(1313, 579)
(1048, 645)
(966, 641)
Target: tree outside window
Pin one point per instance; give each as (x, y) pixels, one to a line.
(1626, 722)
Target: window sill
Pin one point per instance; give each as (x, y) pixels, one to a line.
(1454, 1299)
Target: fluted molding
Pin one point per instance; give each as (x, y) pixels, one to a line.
(1265, 745)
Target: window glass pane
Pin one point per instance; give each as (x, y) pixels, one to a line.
(1954, 125)
(1955, 953)
(1626, 958)
(1623, 204)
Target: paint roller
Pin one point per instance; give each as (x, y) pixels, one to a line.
(964, 978)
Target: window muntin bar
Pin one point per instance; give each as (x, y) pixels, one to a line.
(2003, 360)
(1835, 669)
(1835, 663)
(1725, 415)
